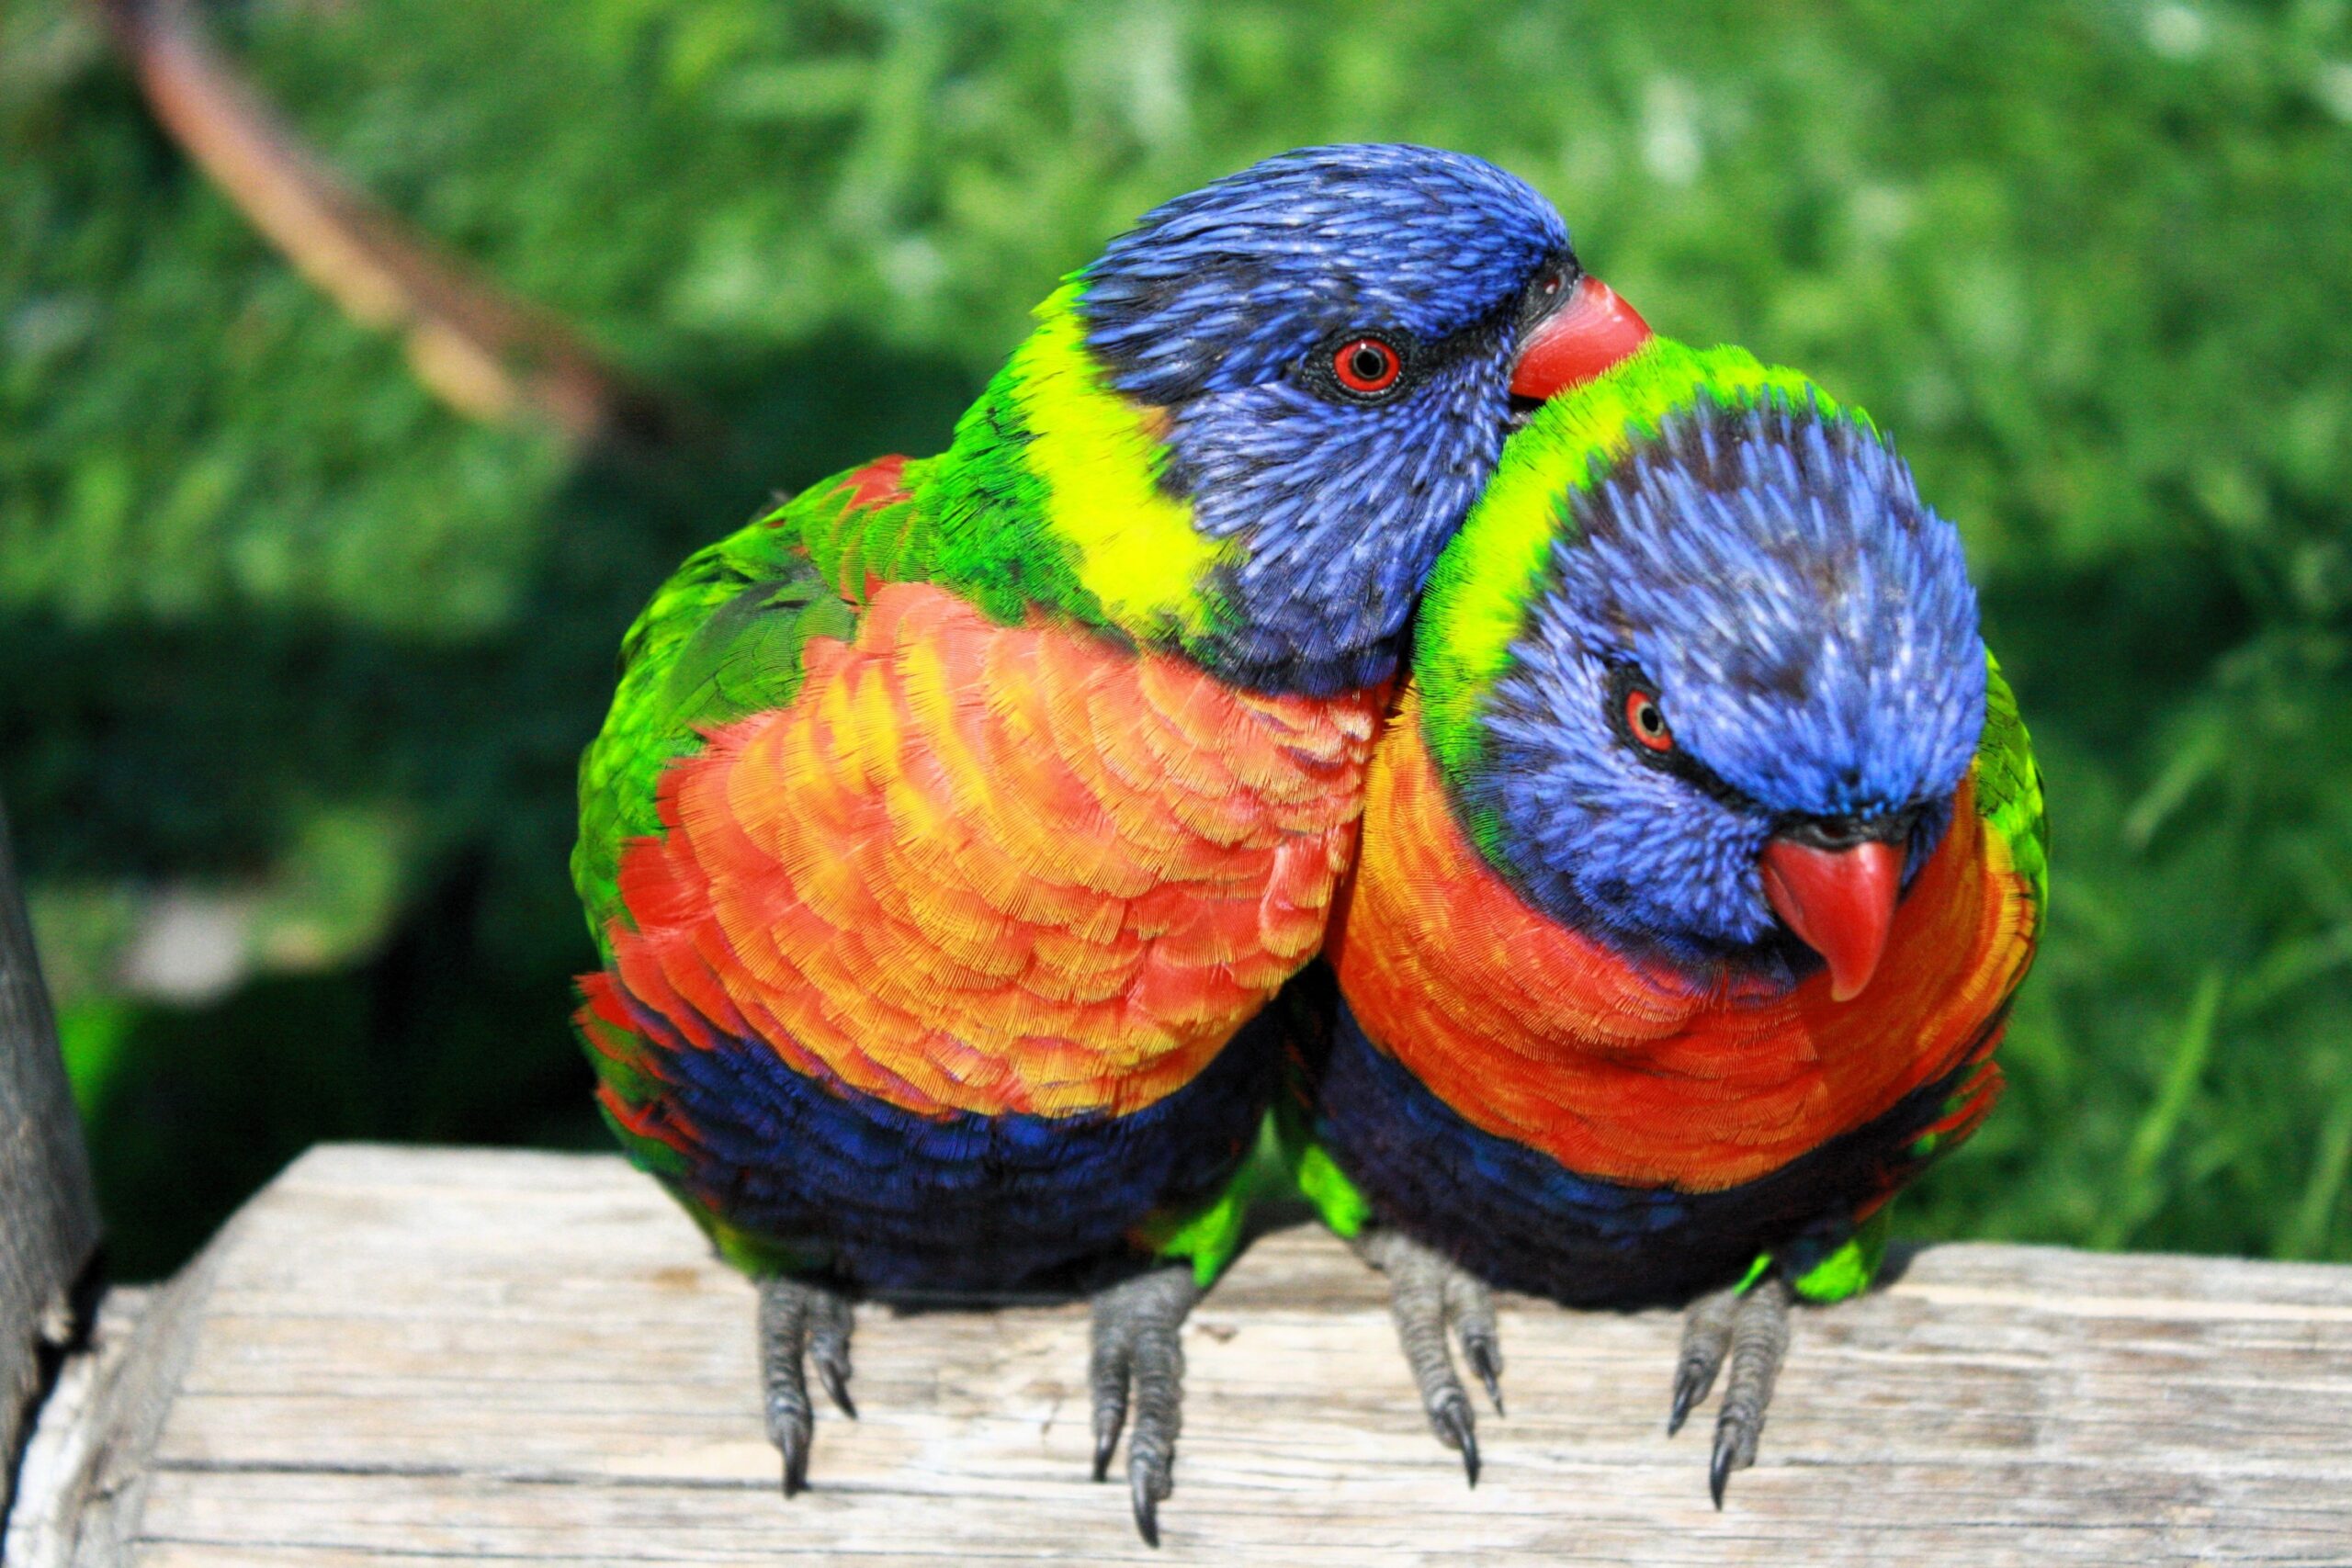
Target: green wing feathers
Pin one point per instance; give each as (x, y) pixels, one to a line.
(723, 638)
(2008, 783)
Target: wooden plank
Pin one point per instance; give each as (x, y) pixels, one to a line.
(64, 1493)
(48, 1212)
(407, 1355)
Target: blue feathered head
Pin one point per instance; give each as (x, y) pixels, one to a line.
(1709, 636)
(1331, 337)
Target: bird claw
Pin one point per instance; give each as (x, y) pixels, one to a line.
(1706, 1336)
(1137, 1352)
(1428, 1292)
(1146, 1486)
(792, 1442)
(1455, 1431)
(801, 1322)
(1692, 1382)
(1107, 1423)
(1734, 1450)
(1486, 1360)
(1752, 1329)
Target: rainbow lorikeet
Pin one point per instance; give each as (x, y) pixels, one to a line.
(951, 822)
(1699, 863)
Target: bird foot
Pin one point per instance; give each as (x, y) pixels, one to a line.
(1752, 1328)
(1136, 1351)
(801, 1323)
(1427, 1294)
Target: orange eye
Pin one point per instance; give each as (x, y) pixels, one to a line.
(1646, 722)
(1367, 366)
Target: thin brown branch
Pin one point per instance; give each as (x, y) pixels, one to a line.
(484, 352)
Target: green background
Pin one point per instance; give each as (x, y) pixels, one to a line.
(294, 659)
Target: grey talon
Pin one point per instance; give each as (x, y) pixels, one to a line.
(1486, 1362)
(1689, 1388)
(1471, 1307)
(1719, 1469)
(1139, 1359)
(1760, 1339)
(1427, 1292)
(829, 1334)
(1107, 1375)
(792, 1441)
(1107, 1442)
(1706, 1336)
(1455, 1431)
(799, 1322)
(1146, 1509)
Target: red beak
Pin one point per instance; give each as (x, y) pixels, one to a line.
(1591, 331)
(1839, 901)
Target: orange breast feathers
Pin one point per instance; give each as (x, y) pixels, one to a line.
(980, 868)
(1628, 1073)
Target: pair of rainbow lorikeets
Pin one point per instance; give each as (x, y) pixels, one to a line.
(1336, 569)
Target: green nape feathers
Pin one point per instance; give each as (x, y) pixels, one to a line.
(1053, 495)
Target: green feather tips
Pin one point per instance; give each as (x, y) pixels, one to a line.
(2008, 783)
(1845, 1271)
(1849, 1270)
(1483, 585)
(851, 546)
(1210, 1235)
(1338, 1201)
(993, 540)
(722, 638)
(756, 1256)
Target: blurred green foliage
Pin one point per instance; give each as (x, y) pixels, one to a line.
(283, 641)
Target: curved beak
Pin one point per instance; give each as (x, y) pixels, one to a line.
(1838, 901)
(1592, 330)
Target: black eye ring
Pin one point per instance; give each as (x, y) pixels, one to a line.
(1360, 367)
(1632, 709)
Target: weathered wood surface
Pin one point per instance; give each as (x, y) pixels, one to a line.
(49, 1216)
(403, 1355)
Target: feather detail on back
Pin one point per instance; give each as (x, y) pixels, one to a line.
(972, 867)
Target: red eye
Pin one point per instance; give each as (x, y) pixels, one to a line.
(1366, 366)
(1646, 722)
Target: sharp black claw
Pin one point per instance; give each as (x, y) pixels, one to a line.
(1146, 1509)
(836, 1382)
(1719, 1469)
(1454, 1426)
(1106, 1443)
(1687, 1392)
(1490, 1372)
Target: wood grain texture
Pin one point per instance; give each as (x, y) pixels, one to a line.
(396, 1356)
(49, 1213)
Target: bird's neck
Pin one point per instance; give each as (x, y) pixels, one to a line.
(1051, 497)
(1057, 494)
